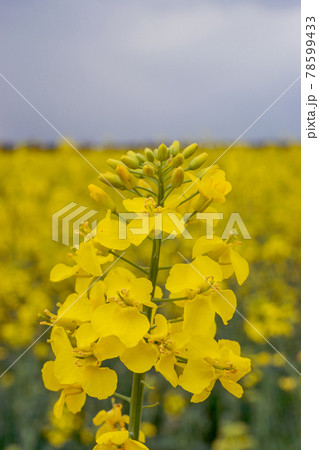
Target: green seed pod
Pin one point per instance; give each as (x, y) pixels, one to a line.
(174, 148)
(113, 163)
(162, 152)
(130, 162)
(149, 154)
(148, 170)
(126, 177)
(178, 160)
(190, 150)
(198, 161)
(177, 177)
(110, 179)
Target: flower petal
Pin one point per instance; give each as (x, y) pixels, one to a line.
(58, 406)
(199, 316)
(166, 367)
(99, 382)
(75, 402)
(224, 303)
(240, 265)
(61, 271)
(87, 259)
(197, 376)
(107, 348)
(232, 387)
(49, 379)
(141, 358)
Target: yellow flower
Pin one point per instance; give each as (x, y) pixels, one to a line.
(72, 395)
(125, 322)
(61, 271)
(74, 366)
(110, 420)
(88, 263)
(122, 315)
(123, 287)
(116, 440)
(87, 259)
(160, 219)
(214, 361)
(224, 252)
(197, 281)
(162, 344)
(287, 383)
(73, 312)
(107, 234)
(213, 186)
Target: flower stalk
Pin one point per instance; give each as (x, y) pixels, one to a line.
(137, 393)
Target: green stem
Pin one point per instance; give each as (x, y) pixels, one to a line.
(136, 192)
(176, 299)
(188, 198)
(147, 190)
(137, 393)
(129, 262)
(178, 319)
(122, 397)
(170, 190)
(136, 405)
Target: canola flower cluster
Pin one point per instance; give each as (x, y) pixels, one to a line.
(113, 313)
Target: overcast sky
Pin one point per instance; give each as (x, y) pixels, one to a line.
(138, 70)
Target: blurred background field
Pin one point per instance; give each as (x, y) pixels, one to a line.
(34, 184)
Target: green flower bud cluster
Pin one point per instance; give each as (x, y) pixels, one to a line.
(131, 169)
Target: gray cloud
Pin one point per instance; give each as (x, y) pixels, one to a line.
(142, 70)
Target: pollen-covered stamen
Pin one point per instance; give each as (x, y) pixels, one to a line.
(216, 287)
(49, 317)
(82, 354)
(209, 279)
(162, 349)
(149, 205)
(222, 367)
(191, 293)
(124, 297)
(164, 345)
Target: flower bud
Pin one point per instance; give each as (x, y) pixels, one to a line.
(188, 151)
(177, 177)
(162, 152)
(178, 160)
(139, 172)
(148, 170)
(149, 154)
(126, 177)
(191, 294)
(132, 154)
(113, 163)
(101, 197)
(130, 162)
(144, 184)
(201, 203)
(141, 158)
(110, 179)
(174, 148)
(198, 161)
